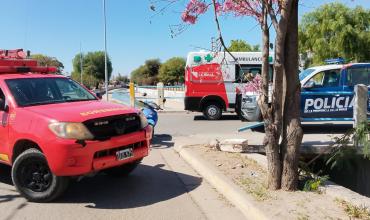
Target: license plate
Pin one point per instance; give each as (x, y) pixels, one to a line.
(124, 154)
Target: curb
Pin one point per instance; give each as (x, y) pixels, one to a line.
(223, 185)
(171, 111)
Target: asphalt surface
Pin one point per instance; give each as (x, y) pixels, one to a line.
(194, 125)
(162, 187)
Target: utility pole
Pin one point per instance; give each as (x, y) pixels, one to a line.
(81, 65)
(105, 50)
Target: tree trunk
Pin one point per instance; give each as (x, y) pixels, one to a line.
(292, 131)
(271, 137)
(273, 127)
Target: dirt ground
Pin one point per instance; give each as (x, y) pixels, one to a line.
(276, 204)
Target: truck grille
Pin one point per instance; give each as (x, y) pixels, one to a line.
(107, 127)
(112, 152)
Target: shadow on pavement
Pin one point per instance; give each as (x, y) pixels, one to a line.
(162, 141)
(324, 128)
(145, 186)
(223, 118)
(318, 143)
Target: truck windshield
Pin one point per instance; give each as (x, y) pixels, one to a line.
(41, 91)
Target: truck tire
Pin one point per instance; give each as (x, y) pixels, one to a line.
(123, 170)
(34, 180)
(212, 111)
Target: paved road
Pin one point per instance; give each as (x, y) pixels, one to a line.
(188, 126)
(192, 128)
(162, 187)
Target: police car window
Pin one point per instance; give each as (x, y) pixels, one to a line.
(328, 78)
(39, 91)
(331, 78)
(358, 76)
(305, 73)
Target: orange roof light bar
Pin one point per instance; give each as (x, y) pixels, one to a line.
(16, 61)
(26, 69)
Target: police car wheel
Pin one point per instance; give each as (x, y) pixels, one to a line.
(212, 111)
(123, 170)
(33, 179)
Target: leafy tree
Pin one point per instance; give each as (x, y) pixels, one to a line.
(44, 60)
(89, 81)
(335, 30)
(122, 78)
(153, 66)
(172, 71)
(146, 74)
(93, 65)
(242, 46)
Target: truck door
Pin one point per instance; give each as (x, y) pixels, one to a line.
(4, 122)
(354, 75)
(322, 96)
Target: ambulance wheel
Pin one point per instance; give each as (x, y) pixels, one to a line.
(34, 180)
(123, 170)
(212, 111)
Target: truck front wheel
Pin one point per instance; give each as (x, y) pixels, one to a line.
(212, 111)
(33, 179)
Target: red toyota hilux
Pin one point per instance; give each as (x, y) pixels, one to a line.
(52, 128)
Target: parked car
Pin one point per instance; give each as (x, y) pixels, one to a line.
(53, 129)
(149, 108)
(326, 93)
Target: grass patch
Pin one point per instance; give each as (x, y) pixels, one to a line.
(313, 184)
(258, 191)
(302, 216)
(353, 211)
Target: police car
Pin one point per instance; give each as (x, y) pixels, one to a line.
(327, 92)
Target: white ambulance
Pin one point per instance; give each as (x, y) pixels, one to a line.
(212, 80)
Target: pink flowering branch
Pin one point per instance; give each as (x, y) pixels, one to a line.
(239, 8)
(255, 85)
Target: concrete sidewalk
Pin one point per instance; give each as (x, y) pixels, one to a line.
(244, 201)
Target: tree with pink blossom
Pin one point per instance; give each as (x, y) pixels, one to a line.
(282, 115)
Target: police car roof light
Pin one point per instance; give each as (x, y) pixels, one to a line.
(338, 60)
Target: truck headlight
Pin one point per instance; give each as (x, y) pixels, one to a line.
(70, 130)
(143, 120)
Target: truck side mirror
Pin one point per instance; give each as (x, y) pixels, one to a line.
(98, 94)
(309, 85)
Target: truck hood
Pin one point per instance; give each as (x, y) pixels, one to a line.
(80, 111)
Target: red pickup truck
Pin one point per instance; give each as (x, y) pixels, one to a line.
(52, 128)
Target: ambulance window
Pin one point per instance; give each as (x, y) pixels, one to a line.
(243, 69)
(358, 76)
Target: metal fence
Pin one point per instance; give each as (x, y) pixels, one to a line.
(168, 88)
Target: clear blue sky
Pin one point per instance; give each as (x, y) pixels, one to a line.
(57, 27)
